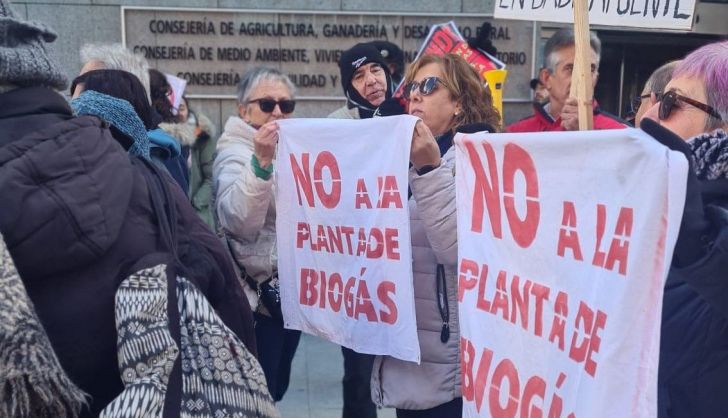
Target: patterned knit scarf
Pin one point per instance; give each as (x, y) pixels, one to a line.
(118, 113)
(710, 152)
(32, 382)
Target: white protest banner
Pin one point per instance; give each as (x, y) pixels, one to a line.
(565, 241)
(652, 14)
(344, 253)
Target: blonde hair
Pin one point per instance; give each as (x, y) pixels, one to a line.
(466, 87)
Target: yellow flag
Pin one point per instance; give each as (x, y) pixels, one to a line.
(496, 80)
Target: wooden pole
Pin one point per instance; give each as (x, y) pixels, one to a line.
(581, 85)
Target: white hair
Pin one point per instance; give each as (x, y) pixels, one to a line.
(253, 77)
(116, 57)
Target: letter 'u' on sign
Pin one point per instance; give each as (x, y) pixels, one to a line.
(649, 14)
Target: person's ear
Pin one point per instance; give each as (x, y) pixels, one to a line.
(242, 110)
(544, 76)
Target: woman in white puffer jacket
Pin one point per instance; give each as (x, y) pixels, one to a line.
(244, 184)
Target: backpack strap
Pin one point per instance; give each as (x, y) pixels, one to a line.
(162, 202)
(165, 210)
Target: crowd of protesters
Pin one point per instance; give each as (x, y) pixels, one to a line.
(100, 191)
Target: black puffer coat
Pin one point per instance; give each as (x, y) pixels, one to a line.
(76, 215)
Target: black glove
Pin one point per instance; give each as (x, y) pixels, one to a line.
(482, 41)
(695, 229)
(392, 107)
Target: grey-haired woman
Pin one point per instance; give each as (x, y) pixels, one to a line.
(244, 185)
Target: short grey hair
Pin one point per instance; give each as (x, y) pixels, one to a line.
(117, 57)
(660, 77)
(253, 77)
(564, 38)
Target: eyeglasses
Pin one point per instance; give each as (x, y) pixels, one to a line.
(267, 105)
(637, 102)
(668, 101)
(426, 87)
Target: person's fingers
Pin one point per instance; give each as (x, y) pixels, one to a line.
(268, 133)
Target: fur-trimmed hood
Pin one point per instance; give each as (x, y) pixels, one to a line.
(185, 132)
(206, 125)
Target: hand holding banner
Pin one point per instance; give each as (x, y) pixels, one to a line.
(344, 254)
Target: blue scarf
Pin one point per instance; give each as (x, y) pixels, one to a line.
(118, 113)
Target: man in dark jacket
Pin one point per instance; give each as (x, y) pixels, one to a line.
(164, 148)
(560, 112)
(366, 82)
(76, 216)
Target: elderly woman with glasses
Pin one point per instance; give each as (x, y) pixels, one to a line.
(695, 100)
(691, 117)
(245, 208)
(449, 96)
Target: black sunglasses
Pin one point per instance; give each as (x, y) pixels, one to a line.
(426, 87)
(669, 99)
(267, 105)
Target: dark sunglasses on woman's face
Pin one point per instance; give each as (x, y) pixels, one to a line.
(426, 87)
(267, 105)
(669, 100)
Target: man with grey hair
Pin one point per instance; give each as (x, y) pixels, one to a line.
(165, 149)
(560, 112)
(114, 57)
(654, 86)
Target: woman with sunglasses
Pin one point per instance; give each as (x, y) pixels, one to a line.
(449, 96)
(243, 184)
(692, 117)
(694, 101)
